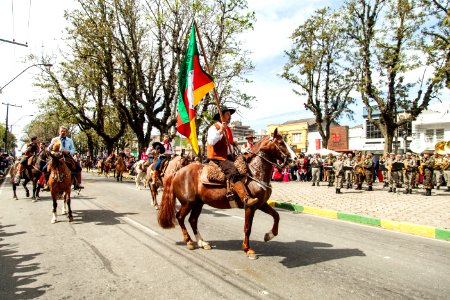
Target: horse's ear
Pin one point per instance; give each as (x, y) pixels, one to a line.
(275, 133)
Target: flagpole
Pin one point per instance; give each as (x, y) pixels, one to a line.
(216, 96)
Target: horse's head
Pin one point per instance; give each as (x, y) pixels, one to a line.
(275, 148)
(55, 159)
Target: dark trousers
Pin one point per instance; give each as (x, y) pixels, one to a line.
(228, 167)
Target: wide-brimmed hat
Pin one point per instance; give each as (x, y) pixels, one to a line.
(159, 146)
(224, 109)
(250, 136)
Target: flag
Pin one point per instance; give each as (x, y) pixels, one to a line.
(193, 85)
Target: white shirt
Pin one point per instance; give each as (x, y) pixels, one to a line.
(214, 136)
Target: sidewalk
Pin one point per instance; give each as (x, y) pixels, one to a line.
(415, 214)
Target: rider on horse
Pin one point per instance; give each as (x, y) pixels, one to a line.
(163, 151)
(31, 150)
(219, 152)
(68, 148)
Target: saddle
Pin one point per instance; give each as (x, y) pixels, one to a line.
(212, 174)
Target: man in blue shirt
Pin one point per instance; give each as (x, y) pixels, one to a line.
(67, 147)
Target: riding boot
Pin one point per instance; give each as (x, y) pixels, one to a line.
(390, 190)
(241, 191)
(359, 186)
(369, 188)
(338, 191)
(78, 186)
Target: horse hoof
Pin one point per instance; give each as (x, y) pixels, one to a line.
(64, 212)
(268, 236)
(38, 198)
(190, 246)
(70, 219)
(28, 194)
(53, 221)
(207, 246)
(34, 200)
(251, 254)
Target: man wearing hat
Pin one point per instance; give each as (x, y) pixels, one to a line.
(410, 173)
(158, 151)
(315, 163)
(338, 167)
(437, 170)
(368, 166)
(428, 165)
(220, 151)
(248, 145)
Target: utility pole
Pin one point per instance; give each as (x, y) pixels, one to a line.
(6, 123)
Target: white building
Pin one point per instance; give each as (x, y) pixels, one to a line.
(431, 127)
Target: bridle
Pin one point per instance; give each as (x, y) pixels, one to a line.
(263, 155)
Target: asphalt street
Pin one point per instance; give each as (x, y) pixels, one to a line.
(115, 249)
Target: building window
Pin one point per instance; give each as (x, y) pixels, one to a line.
(296, 138)
(372, 132)
(429, 133)
(405, 130)
(439, 134)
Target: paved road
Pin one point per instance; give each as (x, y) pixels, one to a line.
(115, 249)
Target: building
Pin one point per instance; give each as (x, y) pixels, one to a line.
(241, 131)
(431, 127)
(295, 133)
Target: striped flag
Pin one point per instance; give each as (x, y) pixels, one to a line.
(193, 85)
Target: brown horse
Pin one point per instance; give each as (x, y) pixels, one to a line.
(60, 183)
(172, 166)
(120, 167)
(186, 186)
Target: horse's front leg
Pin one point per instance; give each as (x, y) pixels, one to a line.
(68, 201)
(14, 191)
(249, 214)
(55, 205)
(33, 197)
(276, 219)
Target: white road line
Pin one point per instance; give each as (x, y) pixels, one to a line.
(139, 226)
(222, 213)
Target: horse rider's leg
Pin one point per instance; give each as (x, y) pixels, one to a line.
(55, 205)
(181, 215)
(193, 220)
(249, 214)
(276, 219)
(68, 201)
(24, 184)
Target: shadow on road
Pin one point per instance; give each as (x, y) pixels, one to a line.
(99, 216)
(17, 271)
(294, 254)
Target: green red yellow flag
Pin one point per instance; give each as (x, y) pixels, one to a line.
(193, 85)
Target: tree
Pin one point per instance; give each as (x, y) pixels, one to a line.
(386, 33)
(317, 65)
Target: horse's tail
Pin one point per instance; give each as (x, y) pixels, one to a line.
(166, 213)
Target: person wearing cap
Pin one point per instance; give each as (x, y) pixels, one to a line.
(315, 164)
(220, 151)
(368, 166)
(428, 165)
(410, 173)
(383, 167)
(438, 174)
(446, 169)
(348, 175)
(338, 167)
(247, 146)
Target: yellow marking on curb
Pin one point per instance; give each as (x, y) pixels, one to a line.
(271, 203)
(421, 230)
(320, 212)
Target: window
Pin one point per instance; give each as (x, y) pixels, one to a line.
(372, 132)
(405, 130)
(429, 133)
(439, 134)
(296, 138)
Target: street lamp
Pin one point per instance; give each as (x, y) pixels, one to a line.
(11, 126)
(8, 104)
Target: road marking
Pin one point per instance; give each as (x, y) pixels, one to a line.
(139, 226)
(222, 213)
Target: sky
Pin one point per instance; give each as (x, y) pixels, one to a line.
(42, 25)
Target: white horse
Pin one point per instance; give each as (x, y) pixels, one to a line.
(141, 173)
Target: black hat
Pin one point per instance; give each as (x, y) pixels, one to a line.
(159, 146)
(224, 109)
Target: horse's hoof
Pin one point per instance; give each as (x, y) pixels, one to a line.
(34, 200)
(251, 254)
(63, 212)
(53, 221)
(268, 236)
(70, 219)
(38, 198)
(190, 246)
(28, 194)
(207, 246)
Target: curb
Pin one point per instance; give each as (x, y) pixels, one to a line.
(421, 230)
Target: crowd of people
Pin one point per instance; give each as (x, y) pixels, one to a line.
(395, 171)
